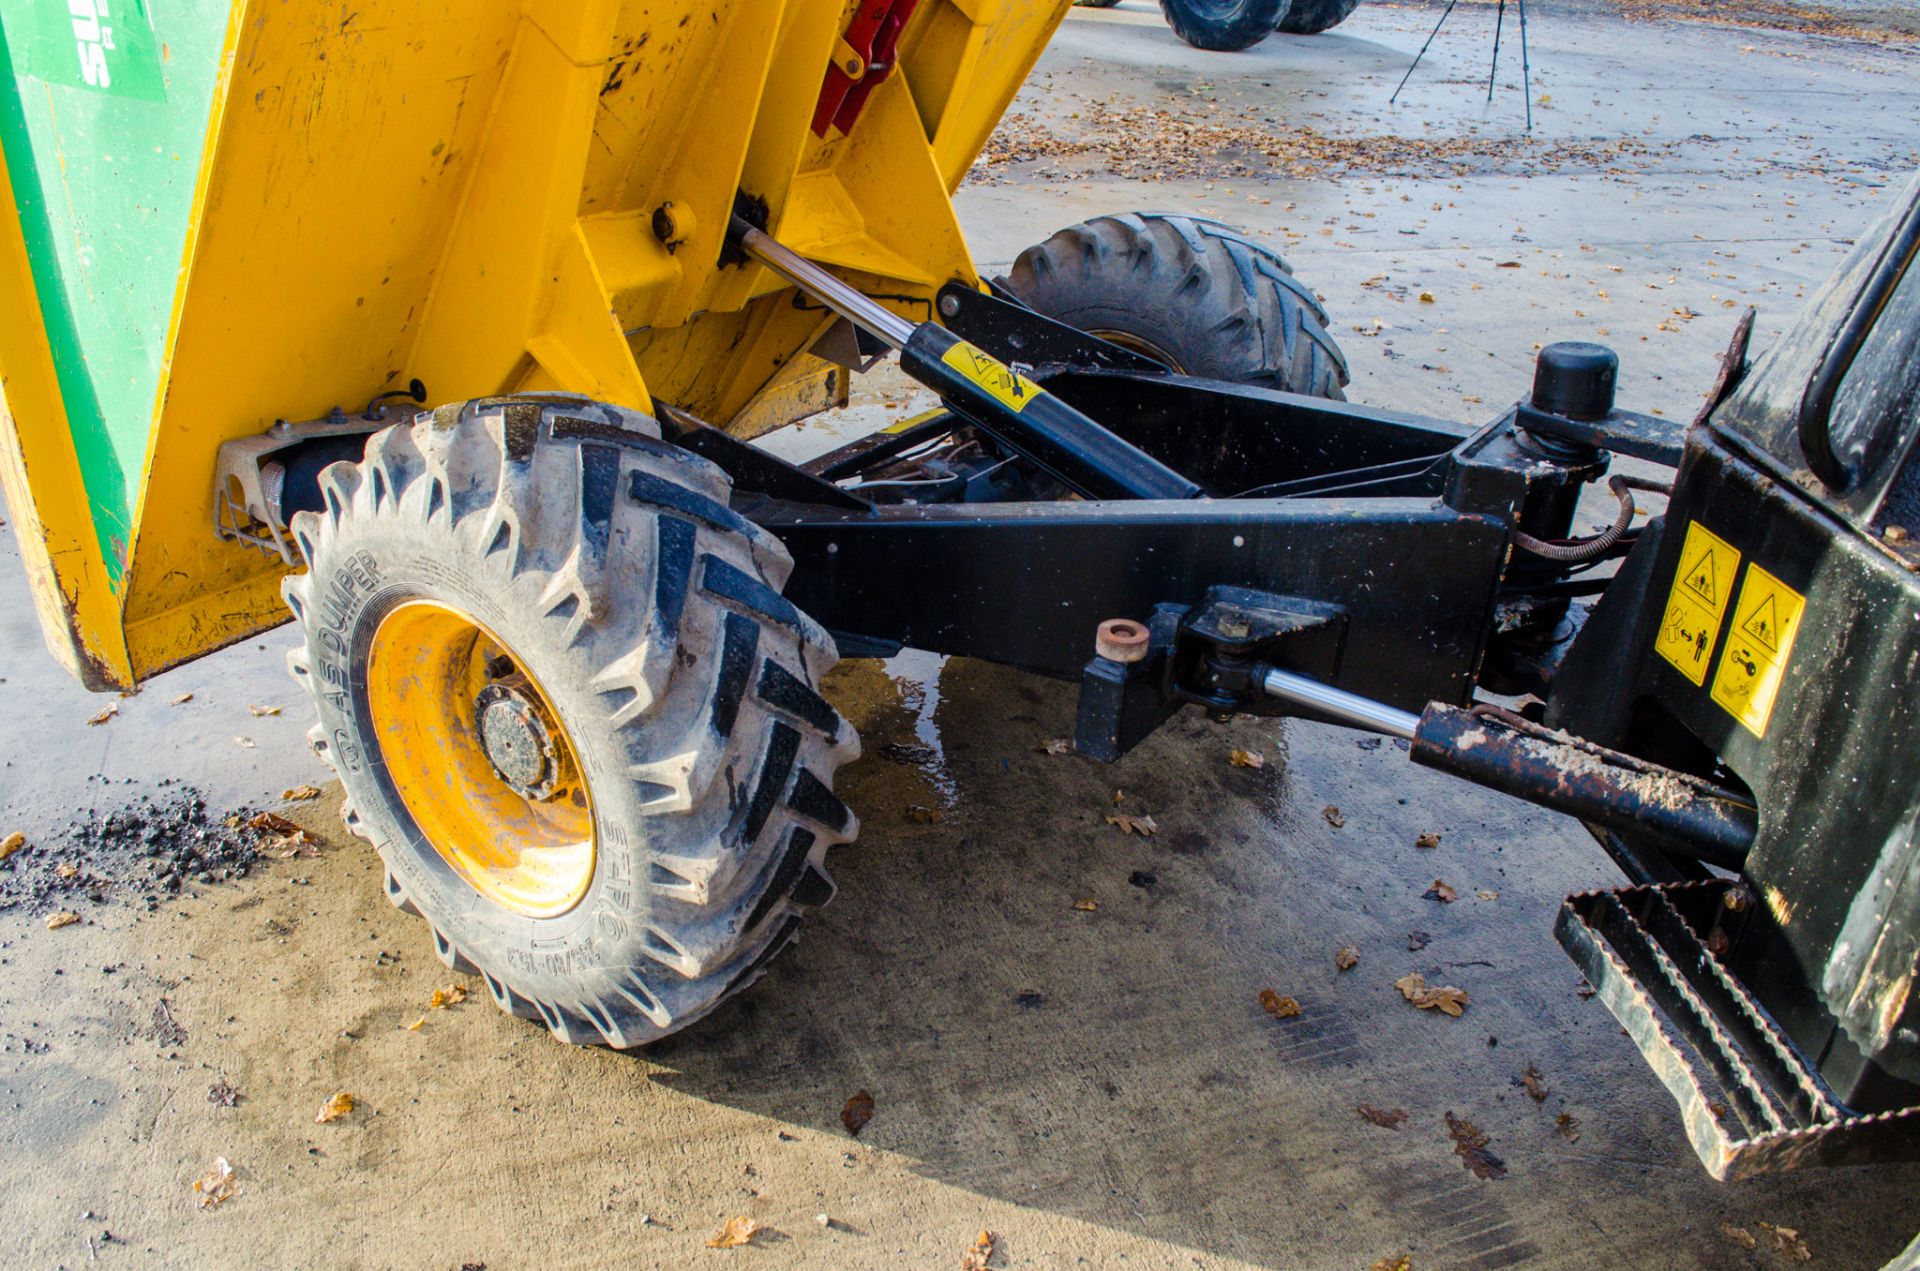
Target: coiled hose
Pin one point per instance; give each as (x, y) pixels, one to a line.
(1580, 551)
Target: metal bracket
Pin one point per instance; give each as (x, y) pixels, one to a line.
(1624, 432)
(1121, 703)
(1014, 332)
(251, 475)
(1214, 654)
(846, 345)
(1227, 642)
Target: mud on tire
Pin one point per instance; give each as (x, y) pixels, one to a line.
(650, 614)
(1193, 293)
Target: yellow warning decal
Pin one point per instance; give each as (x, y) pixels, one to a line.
(1766, 617)
(990, 373)
(1708, 564)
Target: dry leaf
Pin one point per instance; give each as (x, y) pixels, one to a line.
(857, 1112)
(452, 995)
(299, 794)
(1346, 957)
(111, 709)
(1568, 1127)
(1385, 1119)
(1488, 895)
(216, 1184)
(1404, 1262)
(1333, 816)
(1429, 839)
(920, 814)
(1442, 893)
(1086, 906)
(1247, 759)
(415, 1026)
(11, 844)
(66, 869)
(245, 743)
(1277, 1006)
(1141, 825)
(1426, 297)
(979, 1253)
(334, 1108)
(273, 823)
(1056, 746)
(180, 699)
(734, 1233)
(1450, 1001)
(1740, 1236)
(261, 712)
(1786, 1242)
(1470, 1145)
(1534, 1084)
(1418, 940)
(64, 918)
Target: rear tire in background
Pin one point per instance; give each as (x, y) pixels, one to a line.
(571, 710)
(1193, 294)
(1311, 17)
(1095, 4)
(1223, 26)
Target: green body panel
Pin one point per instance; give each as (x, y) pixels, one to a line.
(104, 110)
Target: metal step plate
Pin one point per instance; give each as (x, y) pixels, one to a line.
(1751, 1102)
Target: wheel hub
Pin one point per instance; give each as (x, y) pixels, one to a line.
(517, 739)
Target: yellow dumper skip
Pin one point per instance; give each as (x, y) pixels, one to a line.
(226, 213)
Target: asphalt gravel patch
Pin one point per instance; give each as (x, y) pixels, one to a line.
(146, 849)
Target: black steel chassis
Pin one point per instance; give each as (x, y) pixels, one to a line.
(1371, 553)
(1080, 512)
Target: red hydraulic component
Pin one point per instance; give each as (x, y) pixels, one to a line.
(862, 58)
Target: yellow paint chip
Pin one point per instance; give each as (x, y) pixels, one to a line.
(1696, 602)
(1766, 618)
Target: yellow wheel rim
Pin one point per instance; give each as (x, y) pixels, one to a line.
(479, 758)
(1143, 346)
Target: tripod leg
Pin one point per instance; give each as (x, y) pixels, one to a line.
(1526, 74)
(1423, 50)
(1499, 18)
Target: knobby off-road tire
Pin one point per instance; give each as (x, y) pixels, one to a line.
(1192, 293)
(1223, 26)
(1311, 17)
(644, 627)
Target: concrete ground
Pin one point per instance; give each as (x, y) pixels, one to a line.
(1099, 1087)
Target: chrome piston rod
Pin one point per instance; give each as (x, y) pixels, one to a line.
(1339, 705)
(870, 316)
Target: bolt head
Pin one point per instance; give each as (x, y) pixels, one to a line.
(949, 306)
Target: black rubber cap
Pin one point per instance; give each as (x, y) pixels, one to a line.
(1575, 379)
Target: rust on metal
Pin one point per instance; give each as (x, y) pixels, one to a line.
(1554, 769)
